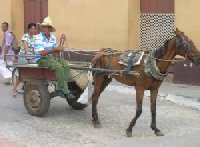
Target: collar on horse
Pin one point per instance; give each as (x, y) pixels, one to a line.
(151, 69)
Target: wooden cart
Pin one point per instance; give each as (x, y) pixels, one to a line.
(37, 82)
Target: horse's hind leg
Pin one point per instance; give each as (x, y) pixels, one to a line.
(139, 100)
(154, 94)
(100, 82)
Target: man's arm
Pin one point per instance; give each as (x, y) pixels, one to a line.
(39, 47)
(6, 51)
(46, 52)
(8, 43)
(56, 48)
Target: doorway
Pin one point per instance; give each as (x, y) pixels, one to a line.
(34, 11)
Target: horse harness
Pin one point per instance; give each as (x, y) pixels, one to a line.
(150, 67)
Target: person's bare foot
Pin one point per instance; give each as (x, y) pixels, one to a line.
(14, 94)
(8, 143)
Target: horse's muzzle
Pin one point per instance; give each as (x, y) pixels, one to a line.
(196, 60)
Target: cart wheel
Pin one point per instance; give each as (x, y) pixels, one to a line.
(36, 98)
(75, 90)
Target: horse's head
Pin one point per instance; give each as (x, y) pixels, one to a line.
(186, 48)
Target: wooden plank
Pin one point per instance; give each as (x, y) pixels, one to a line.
(43, 9)
(157, 6)
(36, 74)
(34, 11)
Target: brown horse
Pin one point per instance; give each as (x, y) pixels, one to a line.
(152, 70)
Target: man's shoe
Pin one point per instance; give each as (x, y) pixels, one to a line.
(69, 96)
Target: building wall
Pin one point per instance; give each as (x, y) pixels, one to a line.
(187, 19)
(93, 24)
(12, 11)
(17, 15)
(5, 14)
(134, 24)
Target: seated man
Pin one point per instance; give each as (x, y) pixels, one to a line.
(45, 45)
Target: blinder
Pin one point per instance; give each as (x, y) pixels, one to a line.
(184, 44)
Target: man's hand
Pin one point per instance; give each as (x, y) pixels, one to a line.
(46, 52)
(59, 48)
(62, 39)
(43, 53)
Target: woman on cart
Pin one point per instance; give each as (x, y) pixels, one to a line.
(26, 54)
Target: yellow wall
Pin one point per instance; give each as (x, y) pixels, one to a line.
(134, 24)
(188, 20)
(17, 15)
(12, 11)
(93, 24)
(88, 24)
(5, 14)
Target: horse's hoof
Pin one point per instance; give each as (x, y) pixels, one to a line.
(97, 125)
(129, 133)
(159, 133)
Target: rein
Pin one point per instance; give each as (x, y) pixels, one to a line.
(174, 60)
(186, 47)
(85, 54)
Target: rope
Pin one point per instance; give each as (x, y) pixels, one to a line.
(85, 54)
(163, 59)
(174, 60)
(76, 75)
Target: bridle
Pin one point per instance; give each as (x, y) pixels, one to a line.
(181, 42)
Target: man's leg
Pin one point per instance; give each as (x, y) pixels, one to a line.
(6, 52)
(65, 65)
(59, 72)
(66, 69)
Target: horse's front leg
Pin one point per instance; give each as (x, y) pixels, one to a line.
(154, 94)
(139, 100)
(95, 120)
(98, 82)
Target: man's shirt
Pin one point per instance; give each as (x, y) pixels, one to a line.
(7, 42)
(7, 39)
(42, 43)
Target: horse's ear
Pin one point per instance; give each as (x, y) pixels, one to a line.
(177, 32)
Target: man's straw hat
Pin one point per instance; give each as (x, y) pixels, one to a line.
(48, 22)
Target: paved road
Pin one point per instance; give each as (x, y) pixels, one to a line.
(63, 126)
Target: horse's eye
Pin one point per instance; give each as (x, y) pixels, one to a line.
(186, 46)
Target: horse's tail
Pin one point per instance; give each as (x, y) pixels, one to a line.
(96, 61)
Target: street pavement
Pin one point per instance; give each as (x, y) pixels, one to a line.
(64, 126)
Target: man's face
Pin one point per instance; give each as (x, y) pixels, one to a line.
(46, 29)
(4, 27)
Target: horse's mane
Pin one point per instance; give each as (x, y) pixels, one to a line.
(159, 53)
